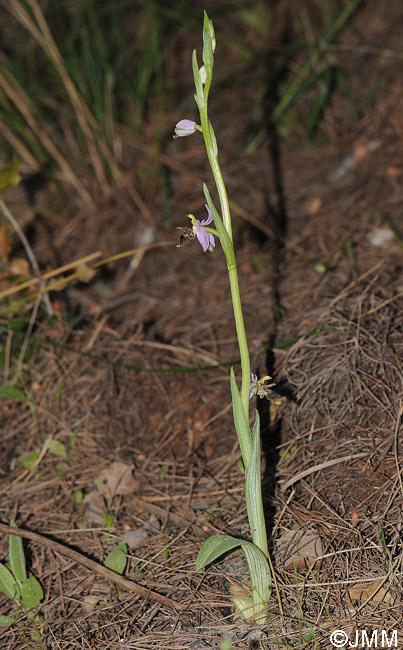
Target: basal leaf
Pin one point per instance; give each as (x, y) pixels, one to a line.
(7, 583)
(259, 571)
(260, 576)
(116, 560)
(253, 492)
(32, 593)
(57, 448)
(214, 547)
(13, 393)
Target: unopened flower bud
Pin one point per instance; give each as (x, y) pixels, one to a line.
(184, 128)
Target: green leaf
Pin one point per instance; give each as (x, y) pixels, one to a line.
(324, 87)
(208, 33)
(116, 560)
(17, 558)
(241, 422)
(259, 570)
(122, 546)
(7, 583)
(32, 593)
(6, 620)
(78, 497)
(253, 492)
(28, 460)
(9, 176)
(243, 607)
(225, 239)
(58, 396)
(214, 547)
(13, 393)
(57, 448)
(260, 577)
(108, 520)
(198, 82)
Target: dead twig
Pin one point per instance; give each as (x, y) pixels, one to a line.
(97, 568)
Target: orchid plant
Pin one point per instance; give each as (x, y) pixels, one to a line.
(256, 552)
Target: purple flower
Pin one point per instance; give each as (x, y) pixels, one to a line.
(253, 385)
(184, 128)
(258, 387)
(206, 239)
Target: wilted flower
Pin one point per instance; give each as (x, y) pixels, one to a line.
(184, 128)
(257, 387)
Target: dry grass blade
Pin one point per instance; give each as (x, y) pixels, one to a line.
(89, 125)
(30, 253)
(320, 466)
(19, 147)
(48, 275)
(45, 39)
(20, 101)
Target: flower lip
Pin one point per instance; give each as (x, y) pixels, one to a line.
(258, 387)
(205, 239)
(184, 128)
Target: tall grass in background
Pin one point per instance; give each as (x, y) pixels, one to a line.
(72, 72)
(68, 78)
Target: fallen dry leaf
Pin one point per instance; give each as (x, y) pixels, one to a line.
(355, 517)
(95, 506)
(20, 266)
(299, 548)
(314, 205)
(117, 479)
(371, 591)
(135, 538)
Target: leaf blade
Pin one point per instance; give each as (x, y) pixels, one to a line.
(253, 492)
(7, 583)
(241, 422)
(17, 558)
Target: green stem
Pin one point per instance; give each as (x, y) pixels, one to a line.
(241, 335)
(215, 167)
(211, 149)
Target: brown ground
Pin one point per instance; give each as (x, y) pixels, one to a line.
(334, 444)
